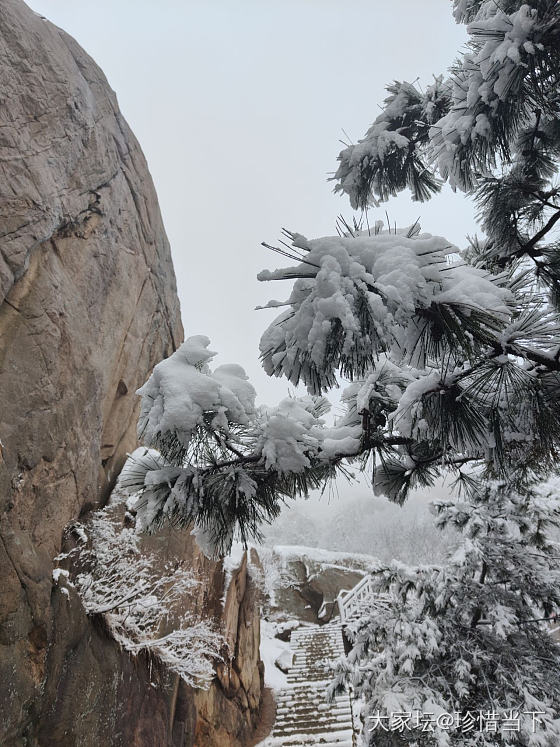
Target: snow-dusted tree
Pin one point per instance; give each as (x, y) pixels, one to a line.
(456, 654)
(471, 637)
(453, 361)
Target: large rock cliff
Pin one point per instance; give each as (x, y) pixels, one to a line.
(95, 694)
(87, 306)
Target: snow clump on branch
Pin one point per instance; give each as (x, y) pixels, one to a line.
(182, 389)
(355, 297)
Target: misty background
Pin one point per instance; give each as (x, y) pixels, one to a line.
(240, 106)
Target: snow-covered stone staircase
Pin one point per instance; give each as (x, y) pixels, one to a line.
(303, 716)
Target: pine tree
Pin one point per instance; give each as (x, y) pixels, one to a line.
(457, 654)
(453, 363)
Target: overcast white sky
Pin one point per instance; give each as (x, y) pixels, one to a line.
(239, 106)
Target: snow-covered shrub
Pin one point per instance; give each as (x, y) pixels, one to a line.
(143, 603)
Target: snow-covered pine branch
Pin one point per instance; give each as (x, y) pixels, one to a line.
(442, 375)
(358, 296)
(391, 157)
(489, 128)
(467, 121)
(223, 465)
(456, 362)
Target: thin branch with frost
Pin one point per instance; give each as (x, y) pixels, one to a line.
(140, 600)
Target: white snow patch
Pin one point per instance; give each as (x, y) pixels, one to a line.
(271, 649)
(230, 564)
(182, 390)
(58, 573)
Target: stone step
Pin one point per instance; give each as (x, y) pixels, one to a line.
(313, 708)
(319, 687)
(316, 656)
(298, 737)
(323, 659)
(320, 631)
(319, 667)
(331, 735)
(317, 700)
(306, 691)
(311, 726)
(322, 742)
(332, 730)
(302, 692)
(302, 649)
(322, 674)
(311, 680)
(303, 740)
(314, 725)
(297, 715)
(315, 638)
(318, 705)
(340, 717)
(304, 716)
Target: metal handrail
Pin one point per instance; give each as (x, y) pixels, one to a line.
(349, 601)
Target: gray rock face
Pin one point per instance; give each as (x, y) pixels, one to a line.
(88, 306)
(308, 580)
(65, 151)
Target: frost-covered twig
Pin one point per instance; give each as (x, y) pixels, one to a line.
(144, 600)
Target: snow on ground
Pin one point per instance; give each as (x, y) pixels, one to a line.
(271, 649)
(319, 555)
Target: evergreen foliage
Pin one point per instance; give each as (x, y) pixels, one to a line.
(490, 128)
(453, 362)
(467, 638)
